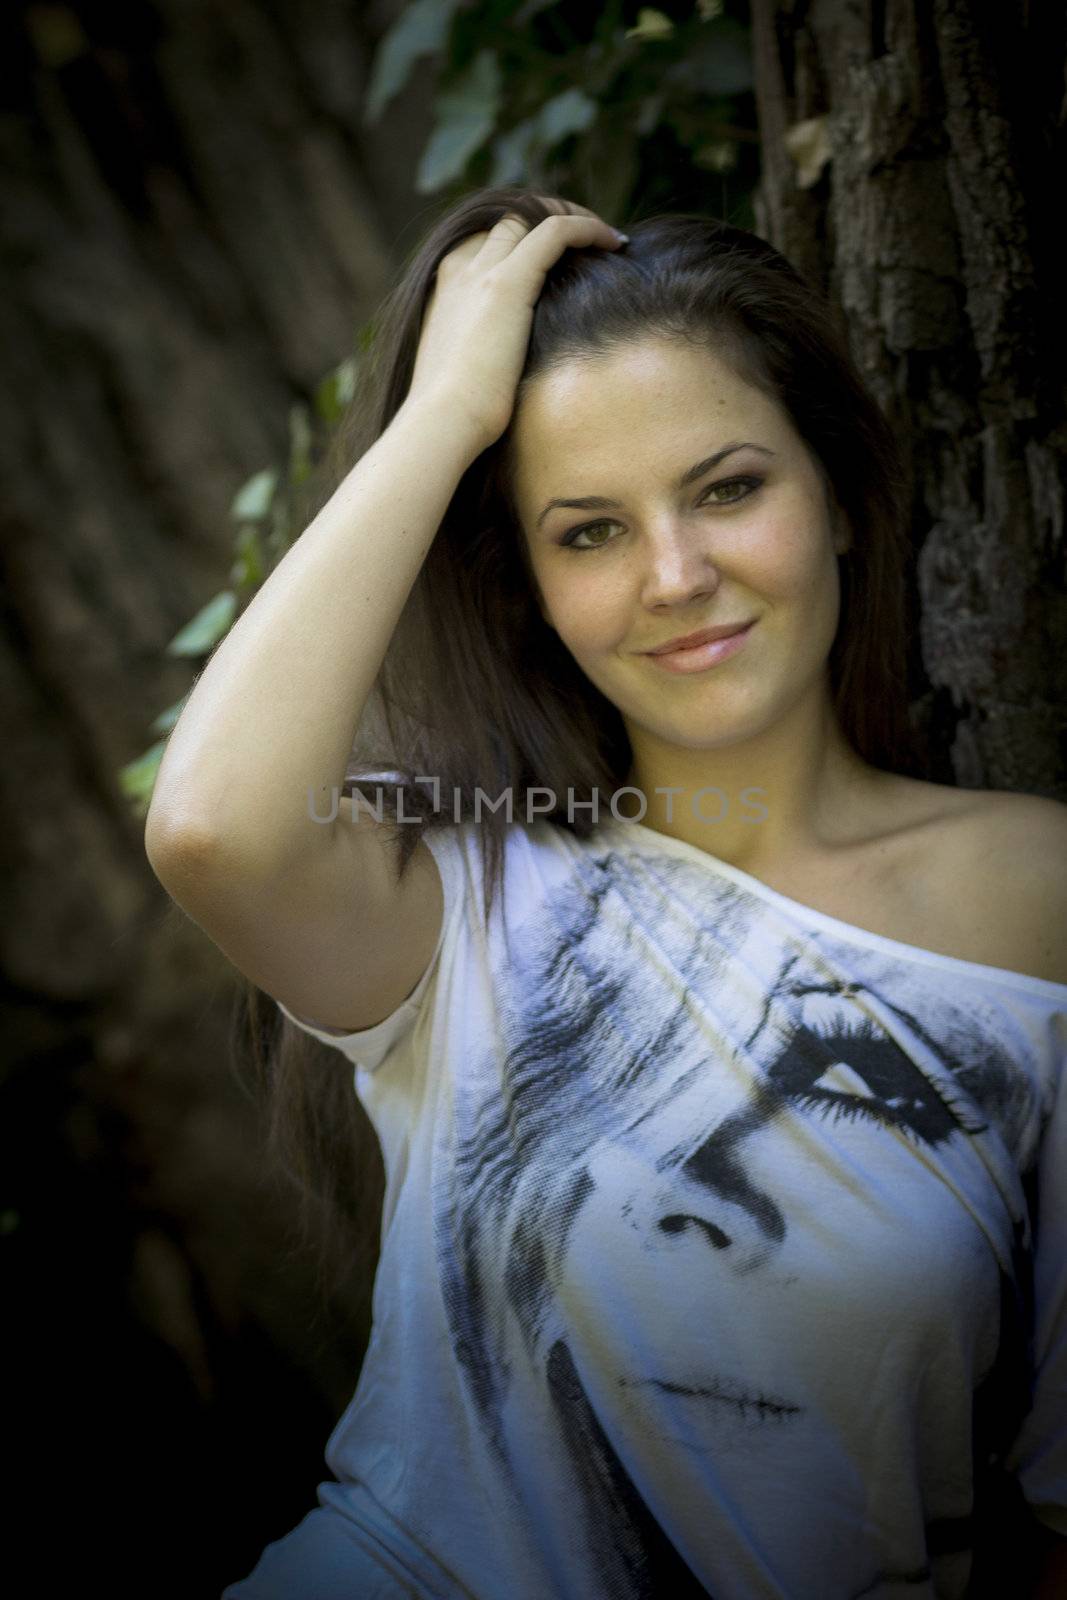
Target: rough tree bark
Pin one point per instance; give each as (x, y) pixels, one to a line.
(195, 224)
(913, 158)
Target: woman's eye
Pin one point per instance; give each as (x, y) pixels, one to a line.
(575, 533)
(747, 485)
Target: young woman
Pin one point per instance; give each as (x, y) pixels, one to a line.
(716, 1055)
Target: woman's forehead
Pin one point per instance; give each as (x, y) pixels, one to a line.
(588, 419)
(629, 377)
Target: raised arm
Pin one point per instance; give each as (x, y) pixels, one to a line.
(310, 911)
(277, 708)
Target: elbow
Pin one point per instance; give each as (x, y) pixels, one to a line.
(174, 845)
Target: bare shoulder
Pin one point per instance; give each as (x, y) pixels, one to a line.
(999, 860)
(1025, 833)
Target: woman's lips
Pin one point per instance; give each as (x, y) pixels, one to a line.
(701, 656)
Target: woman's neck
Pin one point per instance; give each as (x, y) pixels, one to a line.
(788, 796)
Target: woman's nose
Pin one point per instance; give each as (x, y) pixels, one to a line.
(678, 564)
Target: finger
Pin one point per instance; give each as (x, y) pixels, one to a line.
(501, 239)
(540, 246)
(557, 203)
(573, 206)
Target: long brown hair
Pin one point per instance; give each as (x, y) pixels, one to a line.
(477, 690)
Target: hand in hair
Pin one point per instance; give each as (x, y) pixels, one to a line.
(476, 326)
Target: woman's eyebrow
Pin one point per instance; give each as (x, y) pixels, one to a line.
(595, 502)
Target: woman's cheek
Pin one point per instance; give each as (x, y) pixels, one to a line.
(802, 552)
(589, 616)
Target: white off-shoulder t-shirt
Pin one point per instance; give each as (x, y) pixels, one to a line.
(723, 1249)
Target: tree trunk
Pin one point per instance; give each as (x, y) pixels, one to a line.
(196, 223)
(912, 156)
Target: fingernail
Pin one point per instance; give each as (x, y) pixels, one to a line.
(623, 238)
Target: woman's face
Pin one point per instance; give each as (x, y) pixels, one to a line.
(752, 539)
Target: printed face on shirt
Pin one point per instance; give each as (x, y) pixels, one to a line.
(753, 539)
(762, 1235)
(721, 1198)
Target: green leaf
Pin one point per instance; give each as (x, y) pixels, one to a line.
(166, 719)
(209, 625)
(300, 440)
(512, 151)
(137, 779)
(808, 143)
(247, 570)
(515, 151)
(650, 25)
(421, 29)
(280, 536)
(254, 499)
(336, 390)
(566, 113)
(720, 156)
(466, 115)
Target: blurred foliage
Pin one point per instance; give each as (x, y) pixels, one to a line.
(625, 113)
(575, 100)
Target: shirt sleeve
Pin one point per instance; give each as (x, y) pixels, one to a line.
(369, 1047)
(1038, 1456)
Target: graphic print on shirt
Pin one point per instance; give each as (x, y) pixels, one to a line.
(713, 1209)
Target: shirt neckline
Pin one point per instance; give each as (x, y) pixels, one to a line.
(880, 941)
